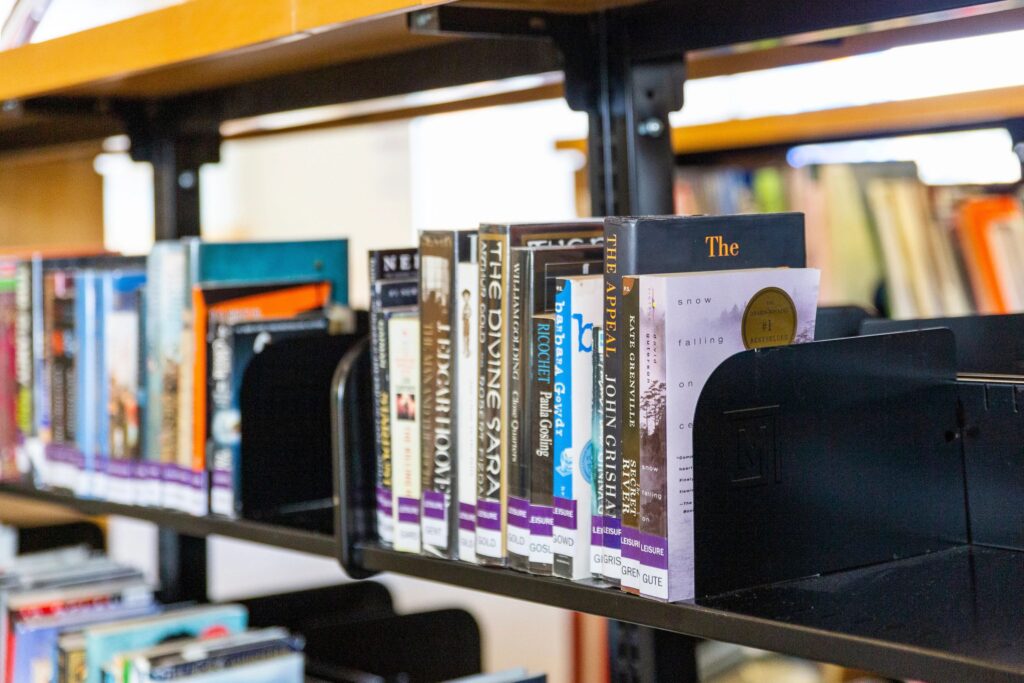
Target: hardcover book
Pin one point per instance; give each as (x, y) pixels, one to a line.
(577, 310)
(690, 323)
(231, 348)
(394, 286)
(440, 254)
(494, 410)
(404, 380)
(674, 244)
(534, 274)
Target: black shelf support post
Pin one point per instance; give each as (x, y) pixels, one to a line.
(182, 567)
(176, 155)
(639, 654)
(628, 101)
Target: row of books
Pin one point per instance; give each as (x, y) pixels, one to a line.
(72, 615)
(536, 384)
(120, 377)
(940, 251)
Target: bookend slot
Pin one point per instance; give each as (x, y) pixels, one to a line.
(352, 440)
(993, 433)
(821, 457)
(286, 471)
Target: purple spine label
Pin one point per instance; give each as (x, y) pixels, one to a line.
(518, 512)
(433, 505)
(467, 516)
(596, 530)
(630, 543)
(408, 510)
(384, 500)
(122, 469)
(564, 513)
(654, 551)
(612, 532)
(541, 520)
(221, 479)
(488, 515)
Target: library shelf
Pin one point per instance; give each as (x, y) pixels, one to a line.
(952, 615)
(981, 108)
(188, 525)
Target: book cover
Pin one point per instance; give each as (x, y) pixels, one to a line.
(629, 502)
(232, 347)
(690, 323)
(105, 641)
(394, 286)
(672, 244)
(577, 309)
(439, 257)
(404, 379)
(467, 288)
(493, 396)
(540, 438)
(532, 291)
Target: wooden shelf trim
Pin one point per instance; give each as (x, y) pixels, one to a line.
(905, 117)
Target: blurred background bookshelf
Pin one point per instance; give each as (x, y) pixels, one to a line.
(873, 131)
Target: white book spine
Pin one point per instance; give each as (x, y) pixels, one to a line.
(577, 309)
(404, 371)
(467, 344)
(653, 551)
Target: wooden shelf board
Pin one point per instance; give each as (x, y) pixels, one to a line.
(909, 116)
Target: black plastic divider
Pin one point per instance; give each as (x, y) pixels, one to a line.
(820, 457)
(836, 322)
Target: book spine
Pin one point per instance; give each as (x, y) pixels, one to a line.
(540, 426)
(597, 462)
(518, 514)
(437, 379)
(404, 379)
(221, 458)
(611, 408)
(467, 276)
(492, 448)
(630, 435)
(573, 421)
(23, 348)
(653, 435)
(381, 405)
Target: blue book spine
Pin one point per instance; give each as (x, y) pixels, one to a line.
(89, 344)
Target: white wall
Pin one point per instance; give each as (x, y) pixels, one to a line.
(376, 185)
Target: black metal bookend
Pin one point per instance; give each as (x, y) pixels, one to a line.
(826, 456)
(352, 441)
(287, 473)
(985, 344)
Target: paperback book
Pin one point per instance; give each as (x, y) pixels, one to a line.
(577, 311)
(394, 287)
(690, 323)
(540, 438)
(404, 380)
(467, 288)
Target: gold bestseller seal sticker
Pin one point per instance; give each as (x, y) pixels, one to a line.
(769, 319)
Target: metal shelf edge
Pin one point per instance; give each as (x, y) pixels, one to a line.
(190, 525)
